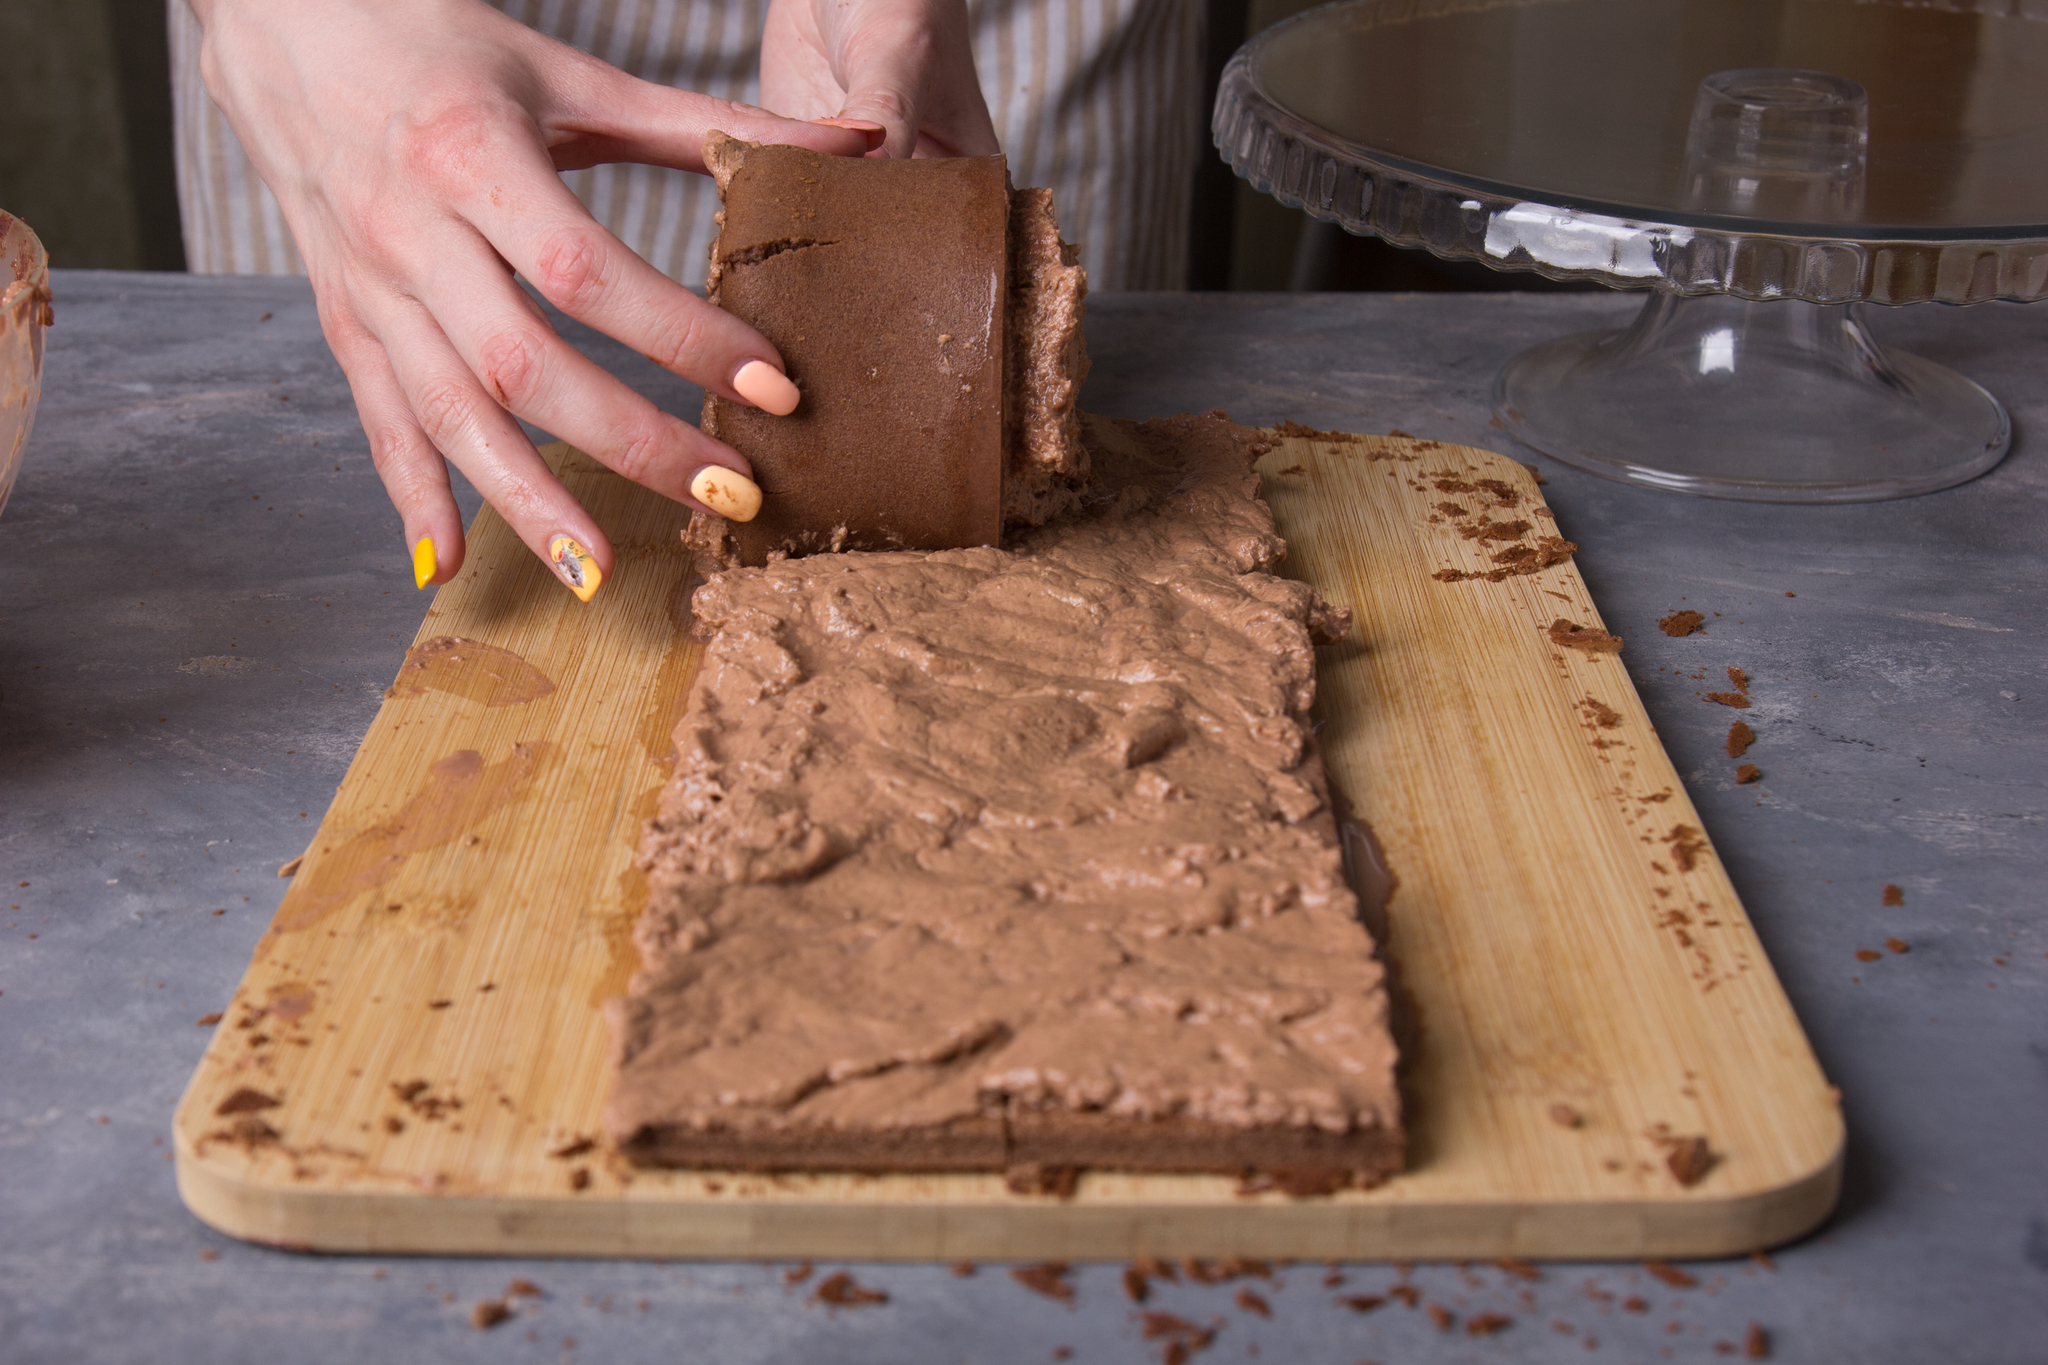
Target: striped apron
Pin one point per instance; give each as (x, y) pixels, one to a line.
(1097, 99)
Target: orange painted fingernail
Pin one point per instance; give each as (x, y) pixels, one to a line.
(727, 492)
(766, 387)
(424, 565)
(576, 566)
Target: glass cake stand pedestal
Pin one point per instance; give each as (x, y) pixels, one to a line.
(1765, 168)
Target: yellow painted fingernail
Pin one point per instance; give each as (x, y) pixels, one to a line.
(727, 492)
(576, 566)
(424, 565)
(767, 388)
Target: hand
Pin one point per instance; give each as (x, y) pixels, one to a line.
(414, 147)
(905, 65)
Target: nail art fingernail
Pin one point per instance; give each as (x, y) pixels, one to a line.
(767, 388)
(727, 492)
(576, 566)
(424, 565)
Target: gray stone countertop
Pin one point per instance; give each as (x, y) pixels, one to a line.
(205, 591)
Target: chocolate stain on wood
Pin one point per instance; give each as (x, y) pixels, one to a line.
(482, 673)
(461, 791)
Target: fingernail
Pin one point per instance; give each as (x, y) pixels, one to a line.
(575, 565)
(424, 565)
(876, 133)
(727, 492)
(766, 387)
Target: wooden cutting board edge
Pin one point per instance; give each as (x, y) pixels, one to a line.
(1480, 1153)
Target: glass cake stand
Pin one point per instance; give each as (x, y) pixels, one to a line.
(1763, 167)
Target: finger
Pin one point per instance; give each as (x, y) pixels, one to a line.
(486, 444)
(913, 72)
(608, 116)
(534, 374)
(415, 476)
(550, 238)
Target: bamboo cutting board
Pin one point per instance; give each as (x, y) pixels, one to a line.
(414, 1060)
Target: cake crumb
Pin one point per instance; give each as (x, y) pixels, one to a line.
(797, 1274)
(209, 1020)
(1734, 699)
(1252, 1302)
(1363, 1303)
(1738, 678)
(1680, 624)
(246, 1100)
(1868, 955)
(523, 1289)
(1444, 1319)
(963, 1270)
(488, 1313)
(1756, 1343)
(1689, 1159)
(1748, 773)
(1183, 1338)
(1591, 639)
(1898, 945)
(1893, 895)
(840, 1290)
(291, 869)
(1740, 737)
(1687, 844)
(1670, 1274)
(1519, 1268)
(1137, 1288)
(1488, 1324)
(1048, 1278)
(1600, 713)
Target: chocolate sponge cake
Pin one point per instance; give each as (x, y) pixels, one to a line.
(994, 858)
(931, 319)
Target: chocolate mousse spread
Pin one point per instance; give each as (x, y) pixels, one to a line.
(931, 318)
(1016, 857)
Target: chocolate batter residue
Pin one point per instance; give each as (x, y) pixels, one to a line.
(985, 857)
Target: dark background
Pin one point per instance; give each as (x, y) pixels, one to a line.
(86, 162)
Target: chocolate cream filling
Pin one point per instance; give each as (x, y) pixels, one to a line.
(999, 857)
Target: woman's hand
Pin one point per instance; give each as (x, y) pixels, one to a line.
(414, 146)
(906, 65)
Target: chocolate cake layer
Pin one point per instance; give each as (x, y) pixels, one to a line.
(988, 856)
(883, 284)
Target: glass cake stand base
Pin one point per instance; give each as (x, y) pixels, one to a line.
(1778, 401)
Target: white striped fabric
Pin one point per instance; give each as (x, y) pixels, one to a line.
(1096, 98)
